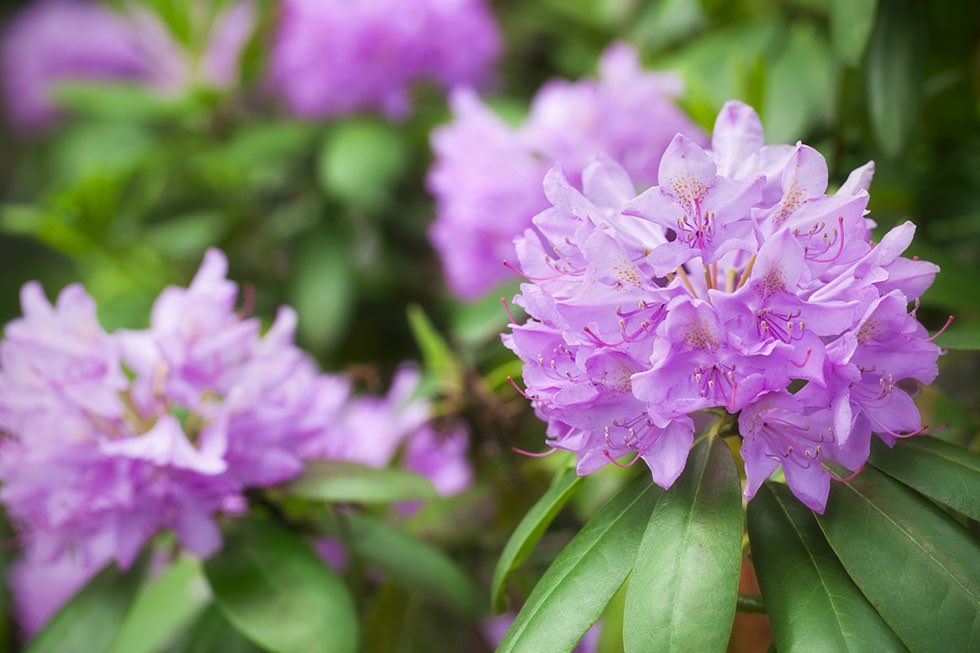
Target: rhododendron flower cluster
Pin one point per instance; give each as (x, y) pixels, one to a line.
(55, 41)
(113, 437)
(736, 286)
(333, 57)
(487, 175)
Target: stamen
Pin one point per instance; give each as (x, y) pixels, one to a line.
(605, 452)
(248, 300)
(806, 359)
(686, 281)
(599, 340)
(511, 381)
(534, 454)
(746, 272)
(512, 268)
(730, 275)
(731, 404)
(840, 244)
(940, 332)
(892, 433)
(846, 479)
(503, 300)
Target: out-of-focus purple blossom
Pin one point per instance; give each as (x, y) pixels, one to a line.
(487, 175)
(57, 41)
(732, 280)
(333, 57)
(115, 437)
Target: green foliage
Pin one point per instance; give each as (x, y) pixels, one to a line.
(528, 533)
(809, 596)
(338, 481)
(915, 564)
(89, 620)
(272, 587)
(683, 587)
(572, 594)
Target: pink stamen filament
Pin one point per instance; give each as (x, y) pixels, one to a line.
(949, 321)
(840, 244)
(510, 316)
(534, 454)
(512, 268)
(892, 433)
(511, 381)
(806, 359)
(605, 452)
(846, 479)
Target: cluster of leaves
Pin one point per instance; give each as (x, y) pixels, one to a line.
(890, 564)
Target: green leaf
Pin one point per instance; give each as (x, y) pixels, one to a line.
(914, 563)
(582, 580)
(682, 591)
(961, 336)
(410, 562)
(360, 161)
(120, 101)
(810, 599)
(334, 480)
(943, 472)
(90, 619)
(528, 533)
(211, 632)
(276, 591)
(850, 26)
(322, 288)
(800, 86)
(479, 321)
(163, 607)
(895, 73)
(441, 365)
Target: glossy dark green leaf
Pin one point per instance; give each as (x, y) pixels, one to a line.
(682, 592)
(163, 607)
(322, 288)
(211, 632)
(408, 561)
(276, 591)
(528, 533)
(91, 618)
(895, 72)
(811, 601)
(942, 471)
(582, 580)
(850, 26)
(332, 480)
(913, 562)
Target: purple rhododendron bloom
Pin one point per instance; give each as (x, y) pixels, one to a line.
(487, 175)
(735, 284)
(56, 41)
(333, 57)
(149, 430)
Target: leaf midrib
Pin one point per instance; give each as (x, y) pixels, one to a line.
(537, 607)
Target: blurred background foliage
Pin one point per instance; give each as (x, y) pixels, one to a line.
(331, 217)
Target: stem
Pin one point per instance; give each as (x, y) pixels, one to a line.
(750, 603)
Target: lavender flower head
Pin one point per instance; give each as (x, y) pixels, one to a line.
(56, 41)
(487, 176)
(149, 430)
(734, 279)
(333, 57)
